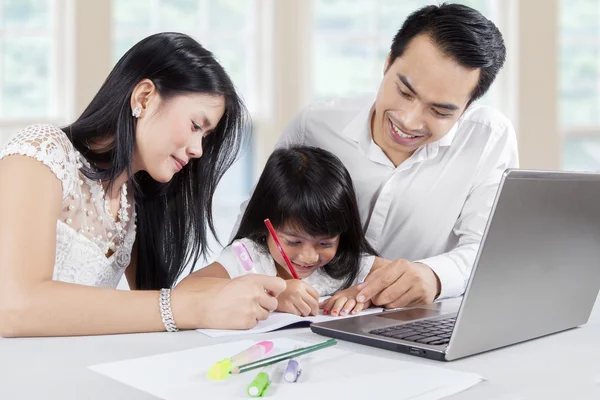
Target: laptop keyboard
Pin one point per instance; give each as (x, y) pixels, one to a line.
(433, 332)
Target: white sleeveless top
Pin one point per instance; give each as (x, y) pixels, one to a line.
(92, 248)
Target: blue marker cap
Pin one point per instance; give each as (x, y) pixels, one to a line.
(292, 371)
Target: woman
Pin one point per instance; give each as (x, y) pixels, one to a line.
(127, 188)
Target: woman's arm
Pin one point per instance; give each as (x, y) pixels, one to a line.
(132, 267)
(32, 304)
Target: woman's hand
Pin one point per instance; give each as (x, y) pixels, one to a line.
(216, 303)
(344, 303)
(298, 298)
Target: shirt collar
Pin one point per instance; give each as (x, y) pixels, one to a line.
(449, 137)
(359, 131)
(359, 127)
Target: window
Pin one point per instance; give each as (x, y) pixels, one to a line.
(352, 39)
(579, 85)
(226, 27)
(29, 56)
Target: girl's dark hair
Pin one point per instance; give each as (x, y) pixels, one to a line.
(173, 217)
(310, 189)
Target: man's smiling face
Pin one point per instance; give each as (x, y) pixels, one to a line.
(421, 96)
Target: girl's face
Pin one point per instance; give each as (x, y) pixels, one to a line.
(307, 253)
(169, 133)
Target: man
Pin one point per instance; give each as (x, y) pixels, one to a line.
(442, 59)
(426, 162)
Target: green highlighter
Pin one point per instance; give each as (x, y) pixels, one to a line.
(261, 382)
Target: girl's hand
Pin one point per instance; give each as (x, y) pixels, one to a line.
(298, 298)
(344, 303)
(217, 303)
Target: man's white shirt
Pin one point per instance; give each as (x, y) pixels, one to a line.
(433, 207)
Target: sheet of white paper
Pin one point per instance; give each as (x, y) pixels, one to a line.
(279, 320)
(327, 373)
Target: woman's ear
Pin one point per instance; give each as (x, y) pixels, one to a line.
(143, 96)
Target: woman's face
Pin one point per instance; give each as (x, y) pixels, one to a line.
(169, 133)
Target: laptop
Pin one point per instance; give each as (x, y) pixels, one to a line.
(537, 272)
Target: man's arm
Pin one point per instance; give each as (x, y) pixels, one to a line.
(401, 283)
(454, 267)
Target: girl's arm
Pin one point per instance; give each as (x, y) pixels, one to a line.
(231, 256)
(214, 270)
(32, 304)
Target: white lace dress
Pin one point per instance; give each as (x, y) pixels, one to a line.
(92, 247)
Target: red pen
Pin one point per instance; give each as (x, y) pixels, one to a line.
(278, 244)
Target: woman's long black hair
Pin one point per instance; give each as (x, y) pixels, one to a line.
(309, 188)
(172, 218)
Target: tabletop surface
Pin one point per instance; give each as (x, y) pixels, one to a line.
(560, 366)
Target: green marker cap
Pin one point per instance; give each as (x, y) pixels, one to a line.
(259, 385)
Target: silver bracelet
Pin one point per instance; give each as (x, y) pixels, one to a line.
(165, 310)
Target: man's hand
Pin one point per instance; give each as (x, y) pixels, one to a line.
(400, 283)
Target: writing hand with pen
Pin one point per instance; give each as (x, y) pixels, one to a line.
(298, 298)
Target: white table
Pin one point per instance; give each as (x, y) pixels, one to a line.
(560, 366)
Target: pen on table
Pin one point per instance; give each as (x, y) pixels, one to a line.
(280, 247)
(222, 369)
(292, 370)
(283, 356)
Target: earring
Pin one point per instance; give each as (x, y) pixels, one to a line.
(136, 112)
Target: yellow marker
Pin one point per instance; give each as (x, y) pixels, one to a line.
(222, 369)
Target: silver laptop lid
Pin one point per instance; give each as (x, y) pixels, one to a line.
(538, 270)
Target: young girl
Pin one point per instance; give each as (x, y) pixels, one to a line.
(308, 195)
(125, 189)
